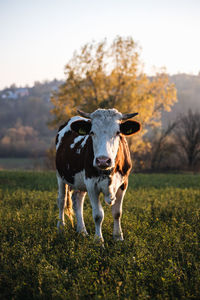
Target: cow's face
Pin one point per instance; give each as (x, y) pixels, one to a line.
(105, 128)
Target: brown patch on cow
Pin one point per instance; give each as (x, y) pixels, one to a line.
(123, 162)
(68, 161)
(123, 159)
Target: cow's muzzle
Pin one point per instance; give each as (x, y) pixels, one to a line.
(103, 162)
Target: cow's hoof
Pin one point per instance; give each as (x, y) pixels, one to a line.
(99, 240)
(82, 232)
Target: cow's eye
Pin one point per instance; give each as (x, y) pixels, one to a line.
(118, 133)
(91, 133)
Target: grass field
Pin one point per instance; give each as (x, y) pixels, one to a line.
(159, 259)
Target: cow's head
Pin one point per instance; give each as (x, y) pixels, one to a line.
(105, 126)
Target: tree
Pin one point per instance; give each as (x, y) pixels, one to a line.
(162, 147)
(187, 134)
(103, 76)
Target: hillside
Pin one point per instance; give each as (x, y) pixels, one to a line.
(24, 117)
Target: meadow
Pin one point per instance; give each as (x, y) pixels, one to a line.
(159, 259)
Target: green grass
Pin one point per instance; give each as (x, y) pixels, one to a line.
(159, 259)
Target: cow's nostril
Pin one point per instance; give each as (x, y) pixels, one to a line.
(103, 161)
(108, 161)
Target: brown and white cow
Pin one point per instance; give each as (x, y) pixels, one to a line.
(92, 156)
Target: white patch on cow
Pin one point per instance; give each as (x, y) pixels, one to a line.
(79, 183)
(101, 185)
(76, 141)
(67, 128)
(105, 126)
(84, 141)
(117, 181)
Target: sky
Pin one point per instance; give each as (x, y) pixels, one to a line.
(38, 37)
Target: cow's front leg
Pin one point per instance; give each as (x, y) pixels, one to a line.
(117, 213)
(97, 212)
(62, 190)
(78, 201)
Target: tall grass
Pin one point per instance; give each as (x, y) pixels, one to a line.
(159, 259)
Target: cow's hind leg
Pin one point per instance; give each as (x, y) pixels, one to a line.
(62, 190)
(78, 201)
(117, 213)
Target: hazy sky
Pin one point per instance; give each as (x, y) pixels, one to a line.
(38, 37)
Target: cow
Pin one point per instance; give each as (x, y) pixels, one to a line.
(92, 156)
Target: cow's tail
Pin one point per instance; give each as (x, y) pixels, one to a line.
(69, 206)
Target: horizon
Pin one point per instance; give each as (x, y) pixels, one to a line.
(39, 38)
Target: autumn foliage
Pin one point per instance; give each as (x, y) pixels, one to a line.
(107, 76)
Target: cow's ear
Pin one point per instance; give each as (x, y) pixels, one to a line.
(129, 127)
(81, 127)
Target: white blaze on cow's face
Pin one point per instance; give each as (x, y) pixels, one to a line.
(105, 132)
